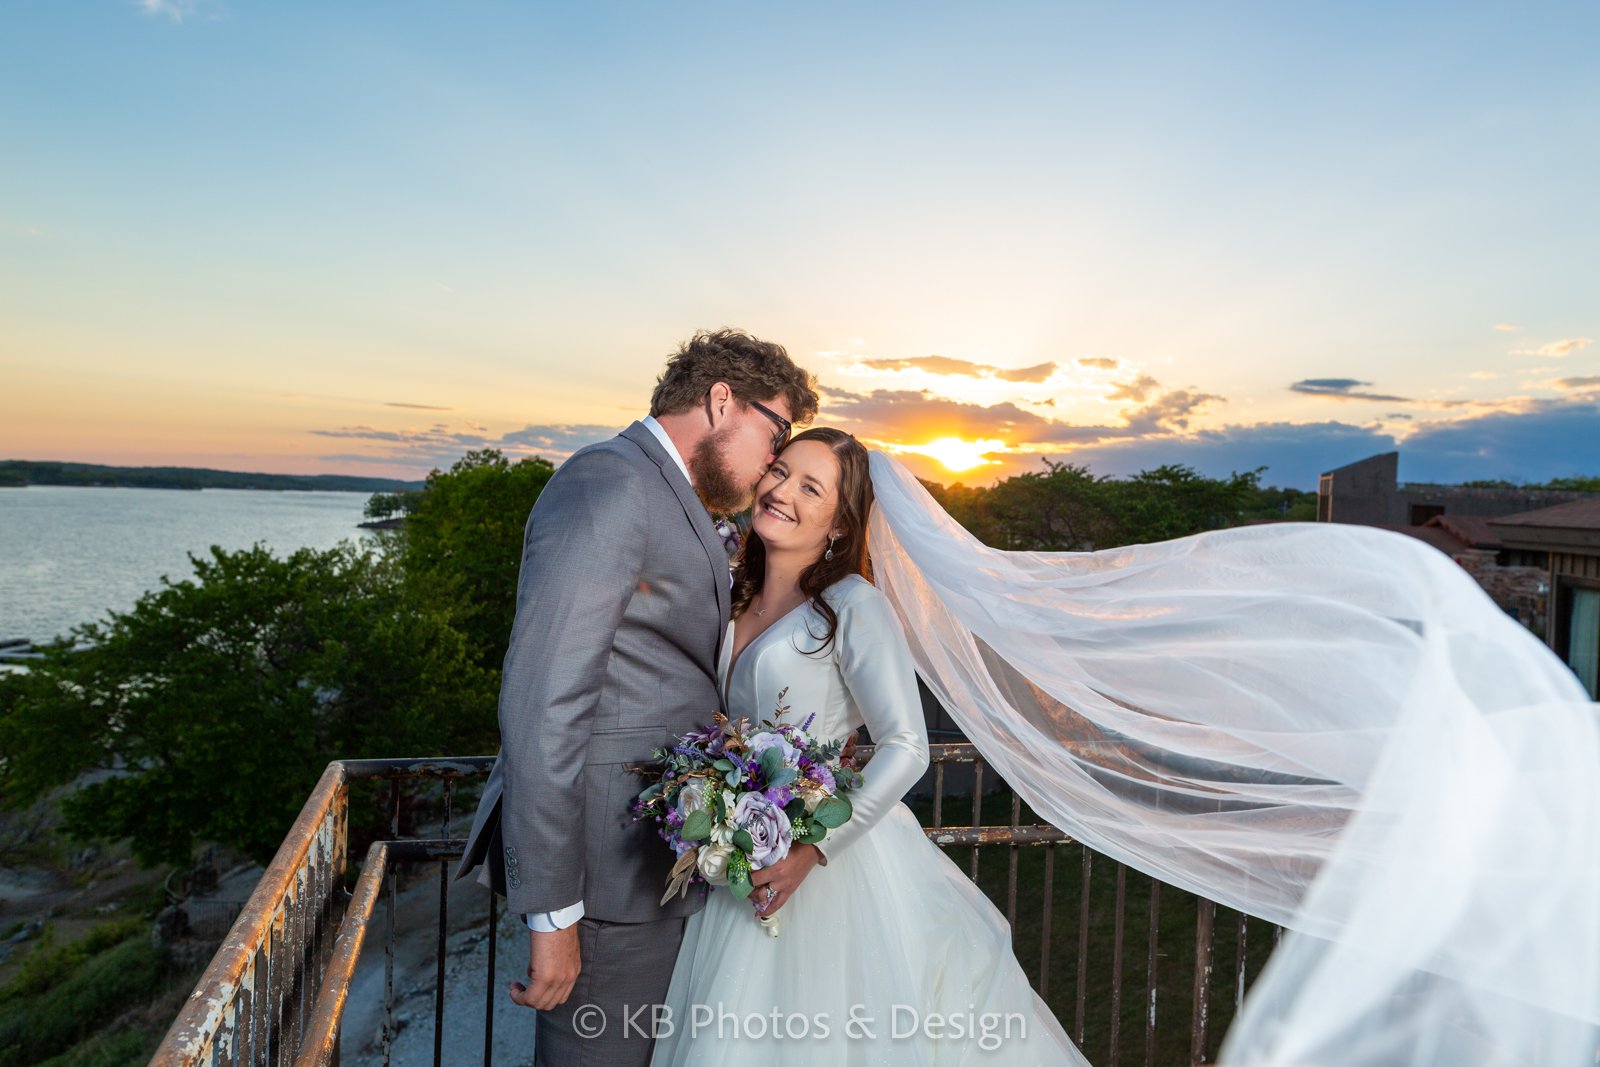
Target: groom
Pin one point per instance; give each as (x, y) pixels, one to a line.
(622, 604)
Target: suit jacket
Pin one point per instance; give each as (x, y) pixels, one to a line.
(622, 602)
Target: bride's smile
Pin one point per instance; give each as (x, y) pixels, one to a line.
(797, 501)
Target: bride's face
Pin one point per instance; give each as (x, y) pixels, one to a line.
(798, 498)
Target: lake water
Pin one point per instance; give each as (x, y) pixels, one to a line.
(68, 554)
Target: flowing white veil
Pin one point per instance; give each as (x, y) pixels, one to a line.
(1328, 726)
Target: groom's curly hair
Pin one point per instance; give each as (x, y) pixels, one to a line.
(754, 370)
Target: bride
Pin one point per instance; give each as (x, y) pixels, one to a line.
(886, 952)
(1327, 726)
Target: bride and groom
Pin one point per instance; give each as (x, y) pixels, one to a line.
(622, 639)
(1327, 726)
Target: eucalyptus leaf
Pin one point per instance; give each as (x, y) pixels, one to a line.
(724, 765)
(742, 841)
(740, 886)
(697, 827)
(771, 763)
(833, 812)
(783, 777)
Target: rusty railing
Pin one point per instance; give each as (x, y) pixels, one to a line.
(277, 989)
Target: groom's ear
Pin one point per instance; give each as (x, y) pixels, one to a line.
(719, 403)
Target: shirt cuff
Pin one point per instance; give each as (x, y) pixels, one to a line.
(548, 922)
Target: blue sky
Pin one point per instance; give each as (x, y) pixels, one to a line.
(367, 237)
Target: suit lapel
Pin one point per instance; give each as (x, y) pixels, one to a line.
(699, 518)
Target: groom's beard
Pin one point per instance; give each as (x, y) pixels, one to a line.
(719, 490)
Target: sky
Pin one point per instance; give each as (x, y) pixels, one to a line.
(368, 237)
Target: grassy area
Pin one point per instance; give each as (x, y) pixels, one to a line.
(63, 992)
(104, 998)
(1175, 938)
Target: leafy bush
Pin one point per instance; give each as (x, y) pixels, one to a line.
(215, 703)
(49, 964)
(83, 986)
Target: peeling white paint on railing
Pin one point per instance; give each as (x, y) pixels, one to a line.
(230, 1016)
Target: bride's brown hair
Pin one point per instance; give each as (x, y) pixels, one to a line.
(849, 549)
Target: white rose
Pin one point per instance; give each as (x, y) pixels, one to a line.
(722, 833)
(691, 799)
(713, 863)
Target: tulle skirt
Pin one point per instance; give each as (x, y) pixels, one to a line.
(888, 955)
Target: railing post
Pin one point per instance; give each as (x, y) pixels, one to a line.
(1199, 1034)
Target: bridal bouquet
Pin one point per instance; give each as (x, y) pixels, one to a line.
(731, 798)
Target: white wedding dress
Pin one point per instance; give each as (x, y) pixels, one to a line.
(887, 954)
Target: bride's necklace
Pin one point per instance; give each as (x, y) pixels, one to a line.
(761, 612)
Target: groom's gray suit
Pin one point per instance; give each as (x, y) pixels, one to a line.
(622, 602)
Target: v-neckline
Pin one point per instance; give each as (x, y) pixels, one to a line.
(735, 658)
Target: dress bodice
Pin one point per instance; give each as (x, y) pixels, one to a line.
(864, 676)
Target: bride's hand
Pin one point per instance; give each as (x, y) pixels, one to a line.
(776, 884)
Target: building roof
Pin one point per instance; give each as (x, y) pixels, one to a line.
(1471, 530)
(1575, 515)
(1441, 539)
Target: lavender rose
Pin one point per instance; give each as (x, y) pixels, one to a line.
(767, 825)
(759, 743)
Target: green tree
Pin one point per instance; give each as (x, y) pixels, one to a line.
(1064, 508)
(464, 533)
(1577, 483)
(1272, 503)
(382, 506)
(208, 711)
(1176, 501)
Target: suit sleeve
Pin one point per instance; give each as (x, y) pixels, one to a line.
(583, 554)
(872, 656)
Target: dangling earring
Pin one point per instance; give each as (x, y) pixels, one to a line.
(828, 555)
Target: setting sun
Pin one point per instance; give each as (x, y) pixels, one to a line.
(957, 455)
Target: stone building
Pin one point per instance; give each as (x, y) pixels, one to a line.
(1569, 537)
(1469, 525)
(1369, 493)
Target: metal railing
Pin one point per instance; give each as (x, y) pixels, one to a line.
(276, 991)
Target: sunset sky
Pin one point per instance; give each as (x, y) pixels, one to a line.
(367, 237)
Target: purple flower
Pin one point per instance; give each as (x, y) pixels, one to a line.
(781, 796)
(729, 533)
(763, 741)
(708, 740)
(767, 825)
(820, 774)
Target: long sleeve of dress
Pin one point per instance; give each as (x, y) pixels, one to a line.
(872, 657)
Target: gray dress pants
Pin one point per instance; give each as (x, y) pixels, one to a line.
(607, 1020)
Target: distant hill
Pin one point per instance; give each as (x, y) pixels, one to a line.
(20, 472)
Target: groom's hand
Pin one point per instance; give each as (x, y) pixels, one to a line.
(782, 879)
(553, 966)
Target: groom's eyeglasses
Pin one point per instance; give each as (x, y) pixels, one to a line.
(780, 438)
